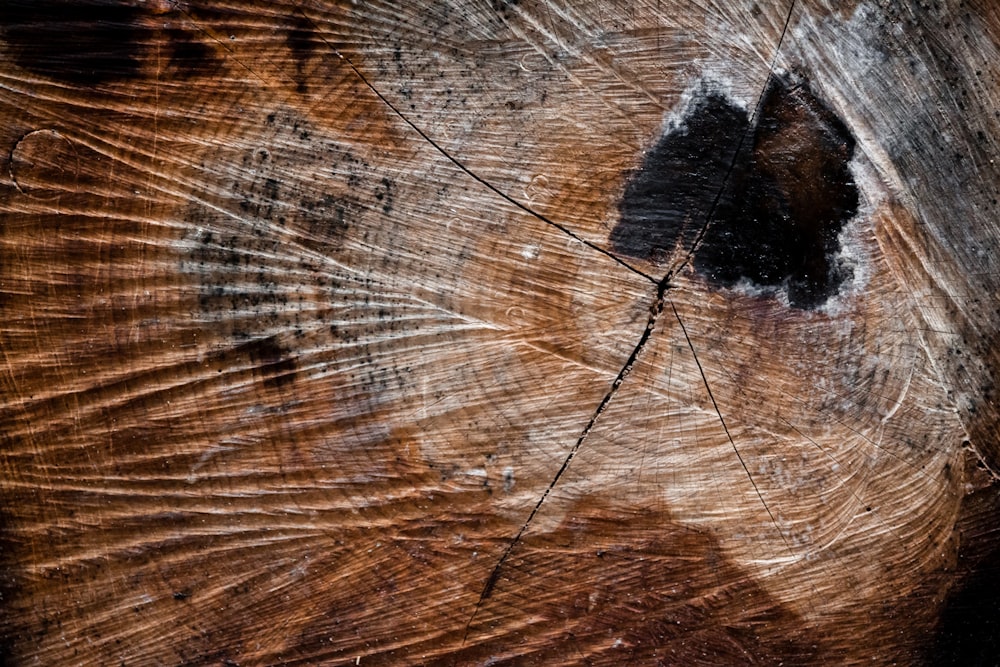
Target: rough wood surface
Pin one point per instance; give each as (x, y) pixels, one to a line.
(511, 332)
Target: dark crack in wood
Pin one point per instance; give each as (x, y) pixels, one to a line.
(654, 312)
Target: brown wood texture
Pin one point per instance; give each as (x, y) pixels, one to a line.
(326, 338)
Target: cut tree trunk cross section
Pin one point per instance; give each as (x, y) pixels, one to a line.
(520, 332)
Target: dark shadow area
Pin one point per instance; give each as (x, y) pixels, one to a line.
(968, 631)
(11, 629)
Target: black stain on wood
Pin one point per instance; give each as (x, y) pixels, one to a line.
(302, 44)
(327, 221)
(670, 197)
(189, 56)
(773, 212)
(270, 360)
(82, 42)
(504, 7)
(92, 42)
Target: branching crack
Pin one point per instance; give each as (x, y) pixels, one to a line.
(654, 312)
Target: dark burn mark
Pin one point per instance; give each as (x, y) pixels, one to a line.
(85, 42)
(189, 56)
(271, 361)
(93, 42)
(796, 192)
(667, 201)
(301, 44)
(780, 210)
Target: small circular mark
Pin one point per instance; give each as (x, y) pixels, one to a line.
(538, 188)
(43, 164)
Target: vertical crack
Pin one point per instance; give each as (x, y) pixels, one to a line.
(710, 216)
(725, 428)
(697, 241)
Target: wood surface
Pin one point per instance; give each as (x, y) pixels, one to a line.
(473, 333)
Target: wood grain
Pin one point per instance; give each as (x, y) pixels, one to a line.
(319, 348)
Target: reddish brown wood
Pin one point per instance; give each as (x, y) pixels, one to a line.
(319, 347)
